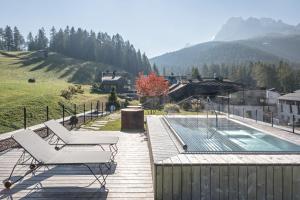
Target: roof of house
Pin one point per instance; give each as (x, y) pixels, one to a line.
(290, 97)
(111, 78)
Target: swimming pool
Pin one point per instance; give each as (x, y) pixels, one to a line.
(225, 136)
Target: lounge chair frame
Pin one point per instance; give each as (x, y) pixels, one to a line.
(34, 164)
(59, 144)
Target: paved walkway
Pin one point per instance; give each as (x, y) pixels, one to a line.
(98, 124)
(131, 178)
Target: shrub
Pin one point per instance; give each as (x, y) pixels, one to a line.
(73, 121)
(126, 103)
(72, 89)
(186, 106)
(96, 88)
(171, 108)
(79, 89)
(31, 80)
(113, 100)
(66, 94)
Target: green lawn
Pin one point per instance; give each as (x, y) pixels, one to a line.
(16, 92)
(112, 125)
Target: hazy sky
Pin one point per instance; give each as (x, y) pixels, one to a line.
(154, 26)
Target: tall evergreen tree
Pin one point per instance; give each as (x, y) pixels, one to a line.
(41, 40)
(2, 46)
(30, 42)
(155, 69)
(52, 44)
(195, 73)
(18, 40)
(9, 39)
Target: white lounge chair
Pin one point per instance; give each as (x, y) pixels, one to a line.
(81, 137)
(37, 153)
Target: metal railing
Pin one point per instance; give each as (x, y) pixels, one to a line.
(25, 116)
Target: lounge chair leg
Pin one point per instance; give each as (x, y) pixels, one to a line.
(103, 182)
(8, 183)
(114, 150)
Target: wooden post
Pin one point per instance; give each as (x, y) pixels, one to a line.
(256, 115)
(228, 108)
(293, 123)
(25, 116)
(272, 119)
(75, 112)
(83, 113)
(243, 112)
(47, 118)
(63, 107)
(91, 110)
(97, 108)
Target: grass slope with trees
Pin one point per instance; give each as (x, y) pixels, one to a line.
(70, 56)
(51, 75)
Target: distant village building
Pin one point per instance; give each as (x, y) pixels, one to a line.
(289, 105)
(255, 97)
(114, 80)
(256, 104)
(204, 87)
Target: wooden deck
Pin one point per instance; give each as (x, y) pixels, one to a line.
(131, 178)
(221, 176)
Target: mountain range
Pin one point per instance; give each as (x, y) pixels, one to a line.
(239, 41)
(236, 28)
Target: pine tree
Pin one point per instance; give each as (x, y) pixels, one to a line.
(2, 46)
(41, 40)
(155, 69)
(8, 39)
(195, 73)
(52, 45)
(205, 70)
(164, 71)
(30, 42)
(18, 40)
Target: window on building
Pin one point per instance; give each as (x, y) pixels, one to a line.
(291, 108)
(298, 107)
(281, 107)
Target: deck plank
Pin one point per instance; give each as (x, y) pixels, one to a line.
(131, 179)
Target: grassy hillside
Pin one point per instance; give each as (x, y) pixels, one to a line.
(52, 75)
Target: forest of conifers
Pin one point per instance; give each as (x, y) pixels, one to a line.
(114, 51)
(79, 44)
(281, 76)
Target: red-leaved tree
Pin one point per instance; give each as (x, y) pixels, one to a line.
(151, 85)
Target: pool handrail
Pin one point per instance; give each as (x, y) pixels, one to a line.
(184, 146)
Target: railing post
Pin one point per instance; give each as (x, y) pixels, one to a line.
(63, 107)
(25, 116)
(256, 115)
(83, 113)
(293, 123)
(91, 110)
(243, 112)
(97, 108)
(272, 119)
(75, 111)
(47, 118)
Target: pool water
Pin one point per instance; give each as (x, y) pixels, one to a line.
(207, 135)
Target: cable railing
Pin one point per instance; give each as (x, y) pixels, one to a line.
(29, 115)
